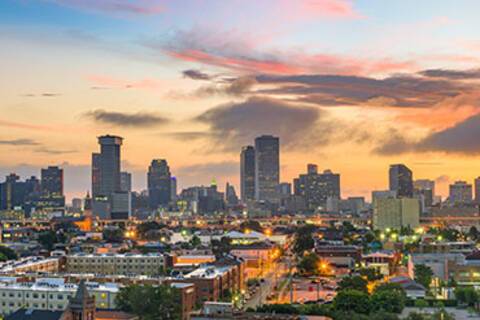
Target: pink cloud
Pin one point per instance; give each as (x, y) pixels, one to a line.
(104, 81)
(322, 8)
(297, 63)
(140, 7)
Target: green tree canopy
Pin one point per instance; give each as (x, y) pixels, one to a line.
(251, 225)
(309, 265)
(388, 300)
(353, 282)
(7, 253)
(423, 275)
(372, 274)
(352, 301)
(149, 302)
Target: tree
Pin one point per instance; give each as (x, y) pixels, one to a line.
(372, 274)
(251, 225)
(144, 228)
(355, 283)
(304, 240)
(112, 235)
(309, 265)
(195, 241)
(415, 316)
(221, 247)
(421, 304)
(423, 275)
(353, 301)
(47, 239)
(7, 254)
(388, 301)
(473, 233)
(466, 295)
(149, 302)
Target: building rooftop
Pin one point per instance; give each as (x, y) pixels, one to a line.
(208, 272)
(57, 284)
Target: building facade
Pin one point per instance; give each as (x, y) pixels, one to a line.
(159, 181)
(401, 180)
(267, 168)
(119, 264)
(247, 174)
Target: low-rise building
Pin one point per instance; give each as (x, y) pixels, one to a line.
(49, 294)
(384, 262)
(120, 264)
(340, 256)
(33, 264)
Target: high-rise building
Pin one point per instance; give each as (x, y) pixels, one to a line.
(267, 168)
(109, 201)
(52, 181)
(477, 190)
(424, 190)
(96, 174)
(109, 164)
(230, 195)
(247, 174)
(401, 180)
(159, 184)
(125, 181)
(317, 188)
(13, 192)
(460, 193)
(173, 191)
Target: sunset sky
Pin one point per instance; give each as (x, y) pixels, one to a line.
(350, 85)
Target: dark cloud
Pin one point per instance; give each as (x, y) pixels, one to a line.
(188, 135)
(19, 142)
(44, 94)
(50, 151)
(400, 91)
(236, 124)
(139, 119)
(452, 74)
(461, 138)
(393, 143)
(196, 75)
(234, 87)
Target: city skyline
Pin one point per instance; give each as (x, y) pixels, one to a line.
(167, 78)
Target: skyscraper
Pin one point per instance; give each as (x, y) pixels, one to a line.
(230, 195)
(159, 184)
(401, 180)
(125, 181)
(247, 174)
(267, 168)
(109, 164)
(317, 188)
(477, 190)
(460, 193)
(52, 181)
(96, 176)
(109, 201)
